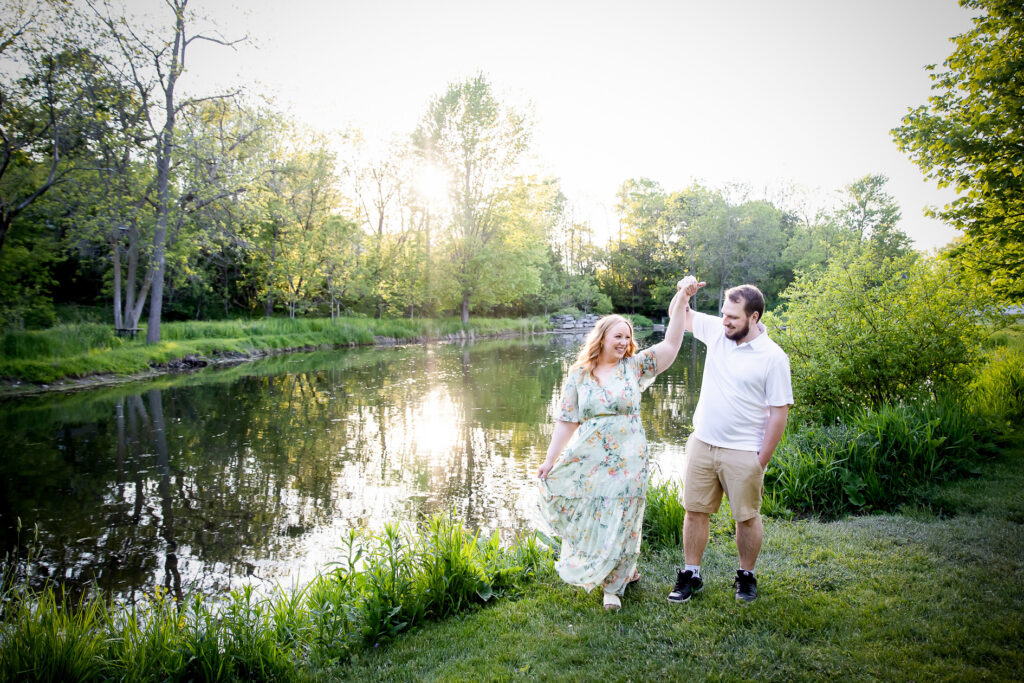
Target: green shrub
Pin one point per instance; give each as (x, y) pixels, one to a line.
(870, 333)
(638, 320)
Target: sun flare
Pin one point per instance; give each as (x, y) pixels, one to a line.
(431, 183)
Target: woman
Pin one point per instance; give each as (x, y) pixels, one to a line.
(593, 494)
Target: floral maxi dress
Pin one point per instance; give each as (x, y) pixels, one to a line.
(595, 493)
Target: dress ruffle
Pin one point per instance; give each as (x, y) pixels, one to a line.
(600, 539)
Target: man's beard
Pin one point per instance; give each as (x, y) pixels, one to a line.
(739, 334)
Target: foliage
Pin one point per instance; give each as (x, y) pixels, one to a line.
(879, 459)
(639, 321)
(998, 387)
(476, 140)
(385, 583)
(871, 215)
(872, 333)
(968, 137)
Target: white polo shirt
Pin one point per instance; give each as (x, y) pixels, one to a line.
(740, 382)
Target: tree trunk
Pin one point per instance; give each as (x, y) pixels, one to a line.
(118, 318)
(156, 296)
(5, 225)
(465, 307)
(163, 173)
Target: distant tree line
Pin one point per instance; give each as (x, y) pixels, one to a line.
(120, 189)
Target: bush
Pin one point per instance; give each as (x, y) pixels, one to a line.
(638, 320)
(603, 304)
(870, 333)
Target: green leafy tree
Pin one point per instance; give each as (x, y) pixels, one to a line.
(969, 137)
(301, 196)
(43, 117)
(382, 192)
(738, 244)
(869, 333)
(477, 141)
(872, 215)
(642, 253)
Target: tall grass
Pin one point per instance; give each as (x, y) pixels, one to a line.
(385, 584)
(664, 515)
(80, 350)
(998, 387)
(879, 460)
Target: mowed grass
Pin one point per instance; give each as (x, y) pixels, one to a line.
(933, 593)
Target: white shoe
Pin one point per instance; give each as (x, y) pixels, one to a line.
(612, 602)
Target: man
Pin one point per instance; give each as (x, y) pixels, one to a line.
(740, 416)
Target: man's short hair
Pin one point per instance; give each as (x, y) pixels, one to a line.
(751, 298)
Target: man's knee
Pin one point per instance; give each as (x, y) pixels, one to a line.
(750, 523)
(694, 516)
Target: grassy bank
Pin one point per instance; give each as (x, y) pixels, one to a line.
(72, 351)
(929, 594)
(382, 585)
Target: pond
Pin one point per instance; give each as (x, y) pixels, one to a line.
(251, 475)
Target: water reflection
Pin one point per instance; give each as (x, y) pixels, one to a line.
(251, 475)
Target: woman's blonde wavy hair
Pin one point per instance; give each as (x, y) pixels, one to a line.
(587, 357)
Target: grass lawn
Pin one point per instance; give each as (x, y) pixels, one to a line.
(934, 593)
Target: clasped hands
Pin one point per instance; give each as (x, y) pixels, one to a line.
(689, 285)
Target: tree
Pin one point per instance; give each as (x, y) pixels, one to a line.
(153, 65)
(382, 191)
(969, 137)
(222, 158)
(42, 116)
(738, 244)
(871, 215)
(642, 253)
(477, 141)
(299, 198)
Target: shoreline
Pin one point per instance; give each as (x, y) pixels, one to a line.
(12, 389)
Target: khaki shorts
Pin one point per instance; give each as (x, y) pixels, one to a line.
(712, 470)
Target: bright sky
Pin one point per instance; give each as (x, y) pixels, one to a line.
(768, 93)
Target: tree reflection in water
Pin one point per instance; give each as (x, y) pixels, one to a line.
(251, 475)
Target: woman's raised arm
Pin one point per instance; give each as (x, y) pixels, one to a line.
(679, 321)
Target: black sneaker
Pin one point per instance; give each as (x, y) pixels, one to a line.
(746, 586)
(686, 585)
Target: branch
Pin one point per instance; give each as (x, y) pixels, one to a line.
(197, 100)
(219, 41)
(18, 32)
